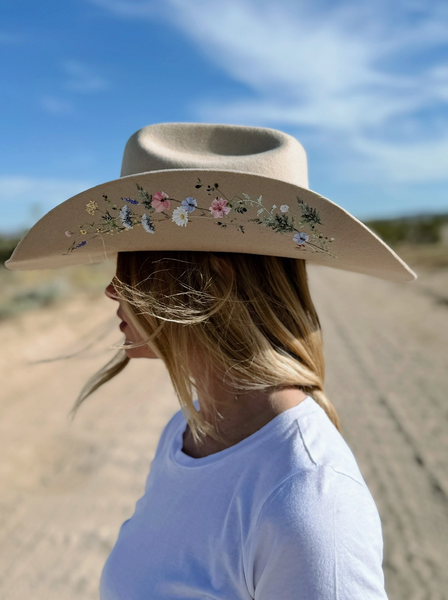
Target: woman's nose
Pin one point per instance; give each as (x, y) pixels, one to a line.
(111, 292)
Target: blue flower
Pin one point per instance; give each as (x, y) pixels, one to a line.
(189, 204)
(80, 245)
(301, 238)
(147, 223)
(125, 216)
(131, 200)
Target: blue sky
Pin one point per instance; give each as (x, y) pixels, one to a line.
(363, 86)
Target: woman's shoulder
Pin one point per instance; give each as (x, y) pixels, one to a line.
(316, 519)
(308, 445)
(324, 445)
(305, 465)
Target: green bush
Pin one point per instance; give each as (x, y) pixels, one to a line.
(423, 229)
(32, 297)
(7, 245)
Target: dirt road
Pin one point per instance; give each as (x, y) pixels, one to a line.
(65, 487)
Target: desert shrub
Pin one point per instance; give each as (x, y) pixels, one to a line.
(7, 245)
(424, 229)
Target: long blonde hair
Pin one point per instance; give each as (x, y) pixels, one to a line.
(248, 318)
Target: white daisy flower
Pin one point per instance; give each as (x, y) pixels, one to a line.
(180, 216)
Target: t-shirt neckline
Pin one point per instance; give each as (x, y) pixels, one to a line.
(275, 425)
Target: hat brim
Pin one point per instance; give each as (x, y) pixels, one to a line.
(267, 216)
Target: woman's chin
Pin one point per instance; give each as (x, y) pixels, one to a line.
(138, 352)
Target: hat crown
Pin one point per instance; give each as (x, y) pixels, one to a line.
(256, 150)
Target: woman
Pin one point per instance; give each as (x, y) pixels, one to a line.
(253, 492)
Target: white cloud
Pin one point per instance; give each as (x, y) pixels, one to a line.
(25, 199)
(412, 163)
(78, 79)
(16, 188)
(82, 79)
(55, 105)
(129, 10)
(366, 78)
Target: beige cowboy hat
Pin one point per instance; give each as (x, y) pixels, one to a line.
(205, 187)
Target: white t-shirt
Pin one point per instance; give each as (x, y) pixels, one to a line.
(283, 515)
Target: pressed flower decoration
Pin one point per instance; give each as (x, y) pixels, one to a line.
(147, 223)
(91, 207)
(180, 216)
(112, 219)
(189, 203)
(160, 202)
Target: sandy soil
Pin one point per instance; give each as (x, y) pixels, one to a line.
(65, 487)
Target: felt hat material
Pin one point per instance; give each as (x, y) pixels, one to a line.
(205, 187)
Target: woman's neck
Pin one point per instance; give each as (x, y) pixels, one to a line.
(243, 413)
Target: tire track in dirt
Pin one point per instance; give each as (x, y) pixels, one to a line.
(388, 490)
(402, 468)
(424, 570)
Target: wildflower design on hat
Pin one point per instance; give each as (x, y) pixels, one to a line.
(112, 219)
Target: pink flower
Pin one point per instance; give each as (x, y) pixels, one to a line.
(160, 201)
(68, 233)
(219, 208)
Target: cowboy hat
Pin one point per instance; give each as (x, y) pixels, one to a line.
(206, 187)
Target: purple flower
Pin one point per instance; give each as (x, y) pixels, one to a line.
(80, 245)
(131, 200)
(189, 203)
(301, 238)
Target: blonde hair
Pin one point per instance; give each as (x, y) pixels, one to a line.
(246, 318)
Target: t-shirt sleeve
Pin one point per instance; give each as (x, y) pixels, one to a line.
(318, 537)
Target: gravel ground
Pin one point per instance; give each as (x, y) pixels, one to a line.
(65, 487)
